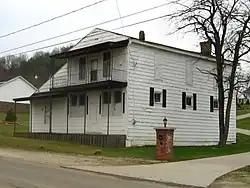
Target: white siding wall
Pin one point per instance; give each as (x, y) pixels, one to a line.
(17, 88)
(38, 116)
(192, 127)
(59, 115)
(60, 79)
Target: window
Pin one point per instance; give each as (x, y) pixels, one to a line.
(106, 97)
(106, 64)
(73, 100)
(94, 64)
(216, 104)
(82, 68)
(157, 97)
(118, 96)
(82, 100)
(189, 100)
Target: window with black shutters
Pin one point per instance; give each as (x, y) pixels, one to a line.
(216, 104)
(82, 99)
(106, 97)
(73, 100)
(189, 100)
(157, 98)
(118, 96)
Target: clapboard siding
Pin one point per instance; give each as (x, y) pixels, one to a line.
(38, 116)
(198, 127)
(59, 115)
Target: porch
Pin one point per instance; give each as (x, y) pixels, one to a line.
(90, 114)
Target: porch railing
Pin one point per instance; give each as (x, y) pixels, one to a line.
(90, 76)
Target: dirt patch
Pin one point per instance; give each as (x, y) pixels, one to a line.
(70, 160)
(236, 179)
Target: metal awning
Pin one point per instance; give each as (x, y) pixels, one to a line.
(91, 49)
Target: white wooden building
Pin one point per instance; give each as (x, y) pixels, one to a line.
(16, 87)
(115, 84)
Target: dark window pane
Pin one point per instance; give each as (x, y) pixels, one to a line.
(106, 64)
(106, 97)
(73, 100)
(189, 101)
(118, 96)
(82, 99)
(82, 68)
(157, 97)
(216, 104)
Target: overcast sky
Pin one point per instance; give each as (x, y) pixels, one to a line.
(18, 14)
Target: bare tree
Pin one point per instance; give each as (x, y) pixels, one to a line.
(226, 25)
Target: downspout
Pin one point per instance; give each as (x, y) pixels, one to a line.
(50, 115)
(30, 115)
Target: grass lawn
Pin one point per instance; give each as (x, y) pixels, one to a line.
(146, 152)
(243, 123)
(244, 109)
(235, 179)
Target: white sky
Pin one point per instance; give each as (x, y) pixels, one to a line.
(18, 14)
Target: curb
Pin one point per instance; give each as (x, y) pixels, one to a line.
(134, 178)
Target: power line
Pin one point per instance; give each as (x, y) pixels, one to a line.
(144, 21)
(119, 12)
(51, 19)
(75, 31)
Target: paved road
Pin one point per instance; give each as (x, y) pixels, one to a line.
(20, 174)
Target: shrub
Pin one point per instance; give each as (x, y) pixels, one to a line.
(247, 102)
(10, 116)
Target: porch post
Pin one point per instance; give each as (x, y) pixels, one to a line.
(30, 115)
(67, 114)
(15, 120)
(109, 97)
(50, 115)
(85, 113)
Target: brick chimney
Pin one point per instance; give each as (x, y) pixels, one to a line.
(142, 36)
(206, 48)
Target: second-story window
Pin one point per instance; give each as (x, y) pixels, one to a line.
(82, 68)
(106, 64)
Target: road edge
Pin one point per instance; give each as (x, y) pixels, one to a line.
(133, 178)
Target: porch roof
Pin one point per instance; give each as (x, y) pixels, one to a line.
(40, 95)
(63, 91)
(92, 49)
(109, 84)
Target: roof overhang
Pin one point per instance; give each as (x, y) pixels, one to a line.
(91, 49)
(109, 84)
(40, 95)
(64, 91)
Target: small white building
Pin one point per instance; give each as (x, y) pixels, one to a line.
(119, 85)
(16, 88)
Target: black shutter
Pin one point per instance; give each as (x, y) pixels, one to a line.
(194, 101)
(151, 97)
(123, 102)
(164, 98)
(87, 104)
(183, 100)
(100, 104)
(211, 103)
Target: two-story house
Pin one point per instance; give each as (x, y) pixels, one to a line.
(114, 84)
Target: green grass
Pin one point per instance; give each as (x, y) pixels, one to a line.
(243, 109)
(243, 123)
(145, 152)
